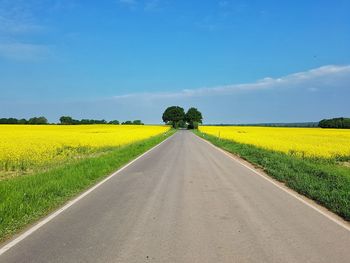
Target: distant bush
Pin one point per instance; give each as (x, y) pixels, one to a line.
(87, 121)
(8, 121)
(67, 120)
(38, 120)
(339, 123)
(126, 122)
(22, 121)
(115, 122)
(135, 122)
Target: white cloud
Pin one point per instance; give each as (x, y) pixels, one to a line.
(326, 75)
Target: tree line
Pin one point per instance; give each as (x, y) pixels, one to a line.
(177, 117)
(34, 121)
(65, 120)
(174, 116)
(339, 123)
(273, 124)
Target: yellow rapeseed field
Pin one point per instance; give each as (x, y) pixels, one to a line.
(24, 147)
(309, 142)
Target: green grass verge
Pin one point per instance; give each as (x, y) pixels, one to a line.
(25, 199)
(324, 181)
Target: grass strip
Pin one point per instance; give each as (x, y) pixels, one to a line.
(323, 181)
(26, 199)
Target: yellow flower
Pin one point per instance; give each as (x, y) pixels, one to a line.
(309, 142)
(27, 146)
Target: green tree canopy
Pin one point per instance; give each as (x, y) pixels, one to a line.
(116, 122)
(193, 117)
(137, 122)
(127, 123)
(173, 115)
(38, 120)
(66, 120)
(339, 123)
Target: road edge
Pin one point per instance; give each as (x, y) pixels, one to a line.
(303, 199)
(16, 239)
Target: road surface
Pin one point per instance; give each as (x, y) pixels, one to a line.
(186, 201)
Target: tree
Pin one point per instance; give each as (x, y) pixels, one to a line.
(22, 121)
(66, 120)
(172, 115)
(193, 117)
(37, 120)
(137, 122)
(114, 122)
(127, 123)
(182, 124)
(86, 121)
(100, 121)
(3, 121)
(9, 121)
(12, 121)
(339, 123)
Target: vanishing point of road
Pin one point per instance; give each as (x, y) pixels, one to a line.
(186, 201)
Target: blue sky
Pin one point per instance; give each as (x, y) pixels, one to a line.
(237, 61)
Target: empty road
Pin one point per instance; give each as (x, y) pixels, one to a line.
(186, 201)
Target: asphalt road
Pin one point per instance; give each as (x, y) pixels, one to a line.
(186, 201)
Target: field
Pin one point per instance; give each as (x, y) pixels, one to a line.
(29, 148)
(314, 162)
(303, 142)
(59, 162)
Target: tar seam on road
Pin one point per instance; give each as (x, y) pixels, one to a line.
(70, 203)
(286, 190)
